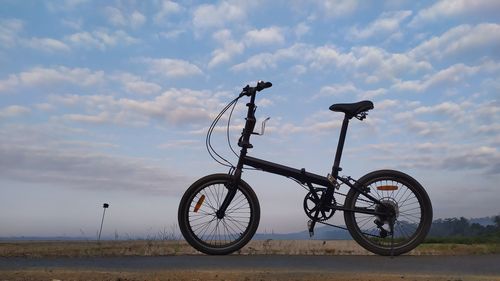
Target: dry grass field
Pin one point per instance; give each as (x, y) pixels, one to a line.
(35, 249)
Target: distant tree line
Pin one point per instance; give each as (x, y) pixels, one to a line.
(462, 230)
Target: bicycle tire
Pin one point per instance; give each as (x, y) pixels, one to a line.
(226, 235)
(394, 189)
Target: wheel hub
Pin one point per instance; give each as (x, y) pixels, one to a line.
(389, 206)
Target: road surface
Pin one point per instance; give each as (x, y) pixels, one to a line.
(484, 265)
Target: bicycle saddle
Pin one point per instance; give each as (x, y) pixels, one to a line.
(352, 109)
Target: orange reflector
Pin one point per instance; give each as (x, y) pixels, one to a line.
(387, 187)
(198, 205)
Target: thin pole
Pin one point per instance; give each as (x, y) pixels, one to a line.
(105, 206)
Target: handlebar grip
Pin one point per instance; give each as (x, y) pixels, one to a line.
(261, 85)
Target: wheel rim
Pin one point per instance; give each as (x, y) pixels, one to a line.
(403, 201)
(212, 231)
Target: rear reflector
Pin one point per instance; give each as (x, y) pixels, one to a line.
(387, 187)
(198, 205)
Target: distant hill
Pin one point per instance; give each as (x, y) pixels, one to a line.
(484, 221)
(440, 228)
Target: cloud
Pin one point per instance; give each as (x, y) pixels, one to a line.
(178, 107)
(317, 57)
(100, 39)
(369, 94)
(337, 89)
(318, 123)
(137, 19)
(461, 157)
(172, 33)
(323, 56)
(449, 108)
(100, 118)
(142, 87)
(13, 111)
(73, 23)
(171, 68)
(181, 144)
(117, 17)
(9, 83)
(368, 62)
(336, 8)
(174, 107)
(441, 156)
(479, 40)
(166, 8)
(264, 36)
(386, 104)
(301, 29)
(9, 32)
(87, 101)
(74, 169)
(47, 45)
(218, 15)
(492, 129)
(231, 47)
(228, 51)
(270, 60)
(134, 84)
(455, 8)
(44, 107)
(387, 24)
(64, 5)
(44, 76)
(60, 74)
(376, 64)
(454, 74)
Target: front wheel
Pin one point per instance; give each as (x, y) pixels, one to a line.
(400, 195)
(200, 225)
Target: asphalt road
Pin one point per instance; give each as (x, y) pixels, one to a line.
(461, 265)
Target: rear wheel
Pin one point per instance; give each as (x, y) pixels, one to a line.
(200, 225)
(400, 195)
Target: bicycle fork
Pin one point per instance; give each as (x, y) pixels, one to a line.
(232, 188)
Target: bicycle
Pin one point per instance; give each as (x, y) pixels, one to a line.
(386, 211)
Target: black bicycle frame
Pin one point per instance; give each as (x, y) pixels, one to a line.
(300, 175)
(311, 178)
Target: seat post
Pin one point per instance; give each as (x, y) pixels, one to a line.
(336, 164)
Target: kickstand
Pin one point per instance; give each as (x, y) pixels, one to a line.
(310, 227)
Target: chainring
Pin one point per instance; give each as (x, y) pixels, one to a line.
(311, 205)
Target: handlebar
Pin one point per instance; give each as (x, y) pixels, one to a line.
(261, 85)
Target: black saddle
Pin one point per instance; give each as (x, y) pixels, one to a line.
(352, 109)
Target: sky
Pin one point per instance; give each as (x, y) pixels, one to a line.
(110, 101)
